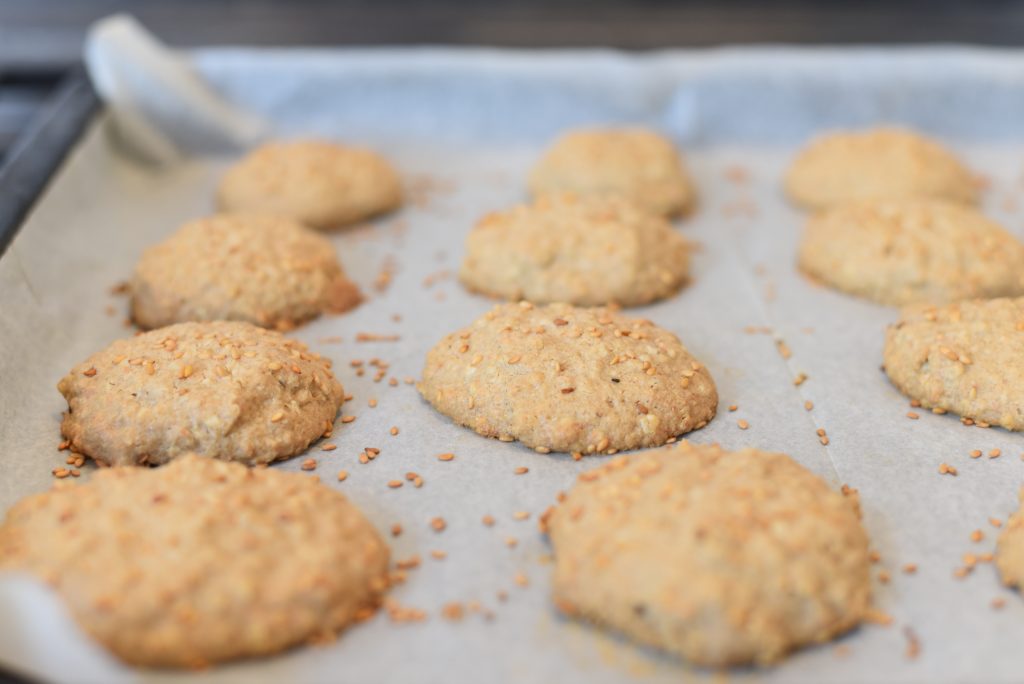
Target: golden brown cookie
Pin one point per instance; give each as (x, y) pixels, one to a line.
(263, 269)
(636, 163)
(876, 164)
(912, 251)
(201, 561)
(562, 378)
(588, 250)
(227, 390)
(967, 358)
(321, 184)
(723, 558)
(1010, 549)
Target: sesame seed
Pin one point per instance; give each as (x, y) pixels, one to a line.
(342, 475)
(488, 520)
(521, 515)
(912, 416)
(395, 484)
(808, 405)
(309, 464)
(438, 524)
(438, 554)
(733, 407)
(89, 373)
(328, 447)
(976, 453)
(521, 470)
(995, 522)
(393, 431)
(946, 469)
(800, 379)
(977, 536)
(994, 453)
(396, 529)
(743, 425)
(277, 417)
(445, 457)
(998, 603)
(347, 419)
(910, 568)
(511, 542)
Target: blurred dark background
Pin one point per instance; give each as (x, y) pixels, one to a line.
(41, 39)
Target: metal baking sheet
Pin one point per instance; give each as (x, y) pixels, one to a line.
(464, 126)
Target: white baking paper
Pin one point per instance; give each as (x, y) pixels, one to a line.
(464, 126)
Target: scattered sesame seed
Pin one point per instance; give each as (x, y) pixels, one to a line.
(883, 576)
(733, 407)
(521, 470)
(808, 405)
(998, 603)
(328, 447)
(89, 373)
(521, 515)
(438, 554)
(276, 418)
(488, 520)
(393, 431)
(511, 542)
(977, 536)
(394, 484)
(945, 469)
(912, 416)
(800, 379)
(995, 522)
(445, 457)
(438, 524)
(976, 453)
(372, 403)
(995, 453)
(743, 425)
(348, 419)
(396, 529)
(342, 475)
(910, 568)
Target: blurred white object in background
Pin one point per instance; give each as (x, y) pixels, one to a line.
(161, 109)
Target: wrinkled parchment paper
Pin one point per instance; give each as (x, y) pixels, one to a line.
(464, 126)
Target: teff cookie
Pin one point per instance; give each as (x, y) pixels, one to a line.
(967, 358)
(878, 163)
(562, 378)
(227, 390)
(639, 164)
(263, 269)
(200, 561)
(582, 250)
(912, 251)
(1010, 549)
(321, 184)
(722, 558)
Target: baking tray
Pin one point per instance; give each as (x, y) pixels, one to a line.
(464, 126)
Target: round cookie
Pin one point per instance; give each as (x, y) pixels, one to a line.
(723, 558)
(227, 390)
(562, 378)
(321, 184)
(967, 358)
(875, 164)
(636, 163)
(263, 269)
(201, 561)
(587, 250)
(912, 251)
(1010, 549)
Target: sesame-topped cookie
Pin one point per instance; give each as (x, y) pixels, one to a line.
(967, 358)
(723, 558)
(263, 269)
(587, 250)
(227, 390)
(321, 184)
(562, 378)
(201, 561)
(634, 162)
(912, 251)
(875, 164)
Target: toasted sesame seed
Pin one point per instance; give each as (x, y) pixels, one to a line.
(522, 580)
(438, 524)
(800, 379)
(277, 417)
(808, 405)
(743, 425)
(976, 453)
(910, 568)
(995, 522)
(733, 407)
(445, 457)
(488, 520)
(912, 415)
(342, 474)
(328, 447)
(393, 431)
(511, 542)
(521, 470)
(89, 373)
(995, 453)
(977, 536)
(521, 515)
(394, 484)
(946, 469)
(438, 554)
(396, 529)
(347, 419)
(883, 577)
(309, 464)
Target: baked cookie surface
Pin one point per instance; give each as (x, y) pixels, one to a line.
(967, 358)
(912, 251)
(874, 164)
(227, 390)
(562, 378)
(723, 558)
(321, 184)
(636, 163)
(200, 561)
(267, 270)
(588, 250)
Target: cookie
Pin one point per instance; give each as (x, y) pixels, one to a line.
(723, 558)
(588, 250)
(267, 270)
(967, 358)
(876, 164)
(227, 390)
(636, 163)
(321, 184)
(1010, 549)
(912, 251)
(201, 561)
(562, 378)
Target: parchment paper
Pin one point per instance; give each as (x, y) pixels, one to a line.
(464, 127)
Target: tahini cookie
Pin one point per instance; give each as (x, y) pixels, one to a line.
(227, 390)
(586, 250)
(200, 561)
(723, 558)
(636, 163)
(322, 184)
(912, 251)
(875, 164)
(562, 378)
(264, 269)
(967, 358)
